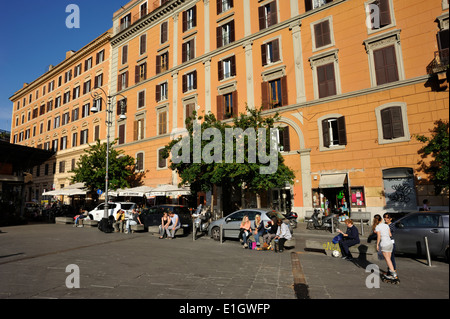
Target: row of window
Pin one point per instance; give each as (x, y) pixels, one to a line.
(77, 71)
(61, 100)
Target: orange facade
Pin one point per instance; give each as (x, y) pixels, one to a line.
(348, 78)
(53, 113)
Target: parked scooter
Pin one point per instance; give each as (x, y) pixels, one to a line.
(314, 222)
(292, 217)
(201, 220)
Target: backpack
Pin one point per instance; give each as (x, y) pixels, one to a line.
(106, 225)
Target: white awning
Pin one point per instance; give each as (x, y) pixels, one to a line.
(332, 180)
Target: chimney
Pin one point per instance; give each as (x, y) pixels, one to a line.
(25, 85)
(69, 54)
(50, 67)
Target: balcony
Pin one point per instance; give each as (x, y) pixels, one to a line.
(440, 62)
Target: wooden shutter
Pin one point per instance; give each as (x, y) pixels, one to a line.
(233, 65)
(141, 102)
(184, 81)
(286, 139)
(219, 36)
(184, 21)
(158, 93)
(136, 75)
(195, 79)
(219, 6)
(184, 52)
(232, 33)
(326, 80)
(125, 54)
(164, 29)
(143, 44)
(273, 19)
(262, 18)
(308, 5)
(342, 133)
(122, 134)
(322, 34)
(386, 122)
(234, 98)
(191, 49)
(265, 95)
(284, 91)
(158, 64)
(326, 133)
(220, 68)
(385, 14)
(276, 50)
(194, 16)
(397, 122)
(135, 130)
(220, 112)
(97, 132)
(264, 54)
(386, 70)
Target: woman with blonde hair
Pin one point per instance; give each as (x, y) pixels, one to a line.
(260, 230)
(246, 230)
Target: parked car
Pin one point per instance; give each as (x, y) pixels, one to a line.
(99, 211)
(231, 223)
(410, 231)
(152, 216)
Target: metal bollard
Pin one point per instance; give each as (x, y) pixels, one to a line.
(221, 234)
(193, 230)
(332, 224)
(428, 251)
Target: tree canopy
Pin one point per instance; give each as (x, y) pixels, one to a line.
(91, 168)
(438, 147)
(241, 154)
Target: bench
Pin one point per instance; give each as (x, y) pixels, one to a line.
(363, 251)
(137, 228)
(64, 220)
(88, 222)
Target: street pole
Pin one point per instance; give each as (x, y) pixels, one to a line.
(109, 122)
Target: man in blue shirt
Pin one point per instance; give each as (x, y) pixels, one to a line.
(350, 238)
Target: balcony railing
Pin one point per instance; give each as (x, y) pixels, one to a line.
(140, 15)
(440, 62)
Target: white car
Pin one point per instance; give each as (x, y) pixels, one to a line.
(99, 212)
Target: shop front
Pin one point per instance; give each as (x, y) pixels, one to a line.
(332, 195)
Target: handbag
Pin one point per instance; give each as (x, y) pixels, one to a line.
(337, 239)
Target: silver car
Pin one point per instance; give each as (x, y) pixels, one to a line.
(410, 231)
(231, 223)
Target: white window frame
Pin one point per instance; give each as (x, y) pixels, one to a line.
(368, 13)
(322, 147)
(313, 35)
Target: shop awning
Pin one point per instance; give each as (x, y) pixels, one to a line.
(332, 180)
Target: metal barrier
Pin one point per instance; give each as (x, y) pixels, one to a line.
(361, 216)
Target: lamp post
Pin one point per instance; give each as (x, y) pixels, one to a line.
(109, 121)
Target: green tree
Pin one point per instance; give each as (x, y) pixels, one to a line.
(202, 176)
(91, 168)
(438, 147)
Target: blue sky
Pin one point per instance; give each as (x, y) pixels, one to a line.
(33, 35)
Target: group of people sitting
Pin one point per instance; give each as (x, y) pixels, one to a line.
(123, 222)
(274, 235)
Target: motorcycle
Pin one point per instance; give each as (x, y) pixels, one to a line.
(326, 222)
(292, 218)
(201, 221)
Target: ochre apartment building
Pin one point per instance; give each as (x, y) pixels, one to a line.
(353, 82)
(53, 113)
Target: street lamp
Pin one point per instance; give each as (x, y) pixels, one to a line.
(109, 121)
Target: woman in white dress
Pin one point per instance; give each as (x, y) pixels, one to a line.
(384, 243)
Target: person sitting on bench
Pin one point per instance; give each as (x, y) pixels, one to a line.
(350, 238)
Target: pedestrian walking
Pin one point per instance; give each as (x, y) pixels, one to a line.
(385, 245)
